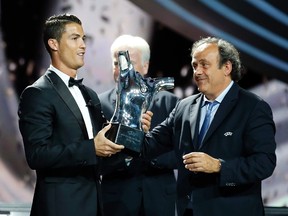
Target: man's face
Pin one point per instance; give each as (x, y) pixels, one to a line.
(210, 79)
(135, 58)
(71, 48)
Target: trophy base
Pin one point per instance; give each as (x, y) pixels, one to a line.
(131, 138)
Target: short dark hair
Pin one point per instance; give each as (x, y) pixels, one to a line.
(55, 26)
(227, 52)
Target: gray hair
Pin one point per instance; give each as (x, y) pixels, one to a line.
(133, 42)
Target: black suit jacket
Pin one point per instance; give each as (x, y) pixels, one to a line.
(241, 133)
(57, 147)
(124, 186)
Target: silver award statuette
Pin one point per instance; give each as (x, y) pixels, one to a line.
(134, 96)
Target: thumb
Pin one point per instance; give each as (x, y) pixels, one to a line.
(106, 128)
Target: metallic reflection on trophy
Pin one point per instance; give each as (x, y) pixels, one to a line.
(134, 97)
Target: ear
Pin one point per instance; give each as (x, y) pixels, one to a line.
(145, 67)
(53, 44)
(227, 68)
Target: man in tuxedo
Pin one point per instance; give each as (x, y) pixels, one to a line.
(138, 187)
(221, 169)
(61, 121)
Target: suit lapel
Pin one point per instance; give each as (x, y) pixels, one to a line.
(67, 97)
(194, 117)
(224, 109)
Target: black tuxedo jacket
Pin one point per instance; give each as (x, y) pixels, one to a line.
(241, 133)
(149, 181)
(57, 147)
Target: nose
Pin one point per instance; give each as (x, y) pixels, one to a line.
(83, 44)
(197, 71)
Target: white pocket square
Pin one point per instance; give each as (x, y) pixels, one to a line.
(228, 133)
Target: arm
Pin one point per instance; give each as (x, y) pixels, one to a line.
(51, 133)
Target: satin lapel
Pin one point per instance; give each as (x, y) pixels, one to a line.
(67, 97)
(224, 109)
(194, 117)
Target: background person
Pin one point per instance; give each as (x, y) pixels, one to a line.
(136, 186)
(221, 175)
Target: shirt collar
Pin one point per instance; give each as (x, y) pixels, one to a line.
(62, 75)
(221, 96)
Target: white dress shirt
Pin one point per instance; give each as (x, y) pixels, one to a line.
(76, 93)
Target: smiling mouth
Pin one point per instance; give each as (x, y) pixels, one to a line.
(200, 79)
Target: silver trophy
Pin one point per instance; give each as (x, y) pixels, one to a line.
(134, 97)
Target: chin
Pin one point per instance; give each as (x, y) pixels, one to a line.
(80, 65)
(201, 86)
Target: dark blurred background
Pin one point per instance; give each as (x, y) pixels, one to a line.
(172, 35)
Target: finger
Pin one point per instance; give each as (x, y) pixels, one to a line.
(191, 167)
(149, 113)
(147, 116)
(188, 155)
(145, 128)
(194, 155)
(115, 146)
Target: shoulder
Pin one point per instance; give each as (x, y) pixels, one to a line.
(190, 100)
(252, 100)
(164, 102)
(184, 105)
(107, 94)
(37, 95)
(248, 96)
(246, 100)
(40, 86)
(90, 90)
(166, 96)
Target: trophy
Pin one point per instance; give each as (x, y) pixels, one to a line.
(134, 96)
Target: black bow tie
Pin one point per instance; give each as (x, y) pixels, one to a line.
(73, 82)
